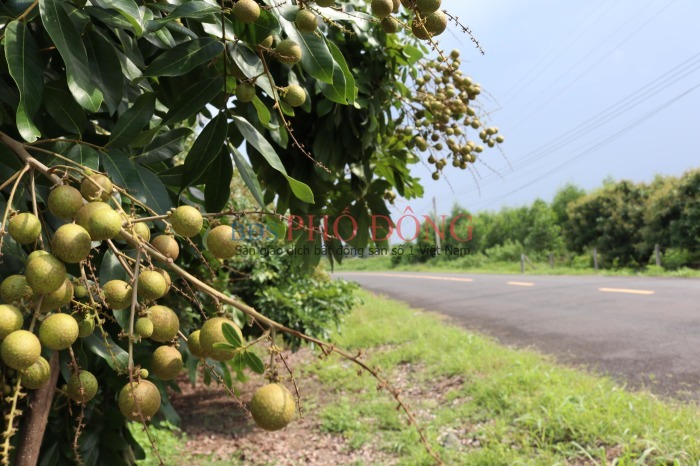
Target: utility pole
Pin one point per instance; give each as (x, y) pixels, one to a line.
(437, 229)
(657, 254)
(595, 259)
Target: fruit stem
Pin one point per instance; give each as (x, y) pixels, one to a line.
(134, 299)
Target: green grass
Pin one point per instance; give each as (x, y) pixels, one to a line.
(516, 407)
(383, 264)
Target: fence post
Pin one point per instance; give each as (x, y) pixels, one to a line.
(657, 254)
(522, 262)
(595, 258)
(551, 260)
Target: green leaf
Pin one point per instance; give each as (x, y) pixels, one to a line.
(63, 108)
(70, 45)
(224, 346)
(258, 141)
(166, 146)
(192, 9)
(105, 69)
(231, 335)
(143, 184)
(238, 362)
(117, 358)
(184, 57)
(217, 186)
(254, 33)
(25, 66)
(263, 112)
(84, 155)
(248, 175)
(316, 59)
(343, 80)
(131, 122)
(128, 9)
(254, 362)
(193, 98)
(204, 150)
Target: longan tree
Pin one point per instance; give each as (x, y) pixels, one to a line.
(121, 125)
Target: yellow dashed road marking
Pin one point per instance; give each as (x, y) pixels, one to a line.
(623, 290)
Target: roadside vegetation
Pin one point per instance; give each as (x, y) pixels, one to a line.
(481, 402)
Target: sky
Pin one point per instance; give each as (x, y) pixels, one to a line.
(581, 90)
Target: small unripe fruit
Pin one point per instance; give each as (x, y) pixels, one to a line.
(117, 294)
(36, 375)
(45, 274)
(144, 327)
(166, 245)
(272, 407)
(187, 221)
(294, 95)
(24, 228)
(266, 42)
(82, 387)
(58, 331)
(220, 242)
(390, 25)
(59, 298)
(246, 11)
(20, 349)
(71, 243)
(79, 291)
(195, 346)
(166, 362)
(138, 399)
(382, 8)
(288, 52)
(96, 187)
(11, 320)
(65, 201)
(306, 21)
(152, 285)
(428, 6)
(86, 325)
(212, 332)
(143, 373)
(165, 323)
(100, 220)
(14, 289)
(245, 92)
(141, 230)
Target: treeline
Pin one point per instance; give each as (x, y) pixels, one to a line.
(622, 220)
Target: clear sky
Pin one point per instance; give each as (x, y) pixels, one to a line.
(581, 90)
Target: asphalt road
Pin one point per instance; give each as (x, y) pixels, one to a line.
(642, 331)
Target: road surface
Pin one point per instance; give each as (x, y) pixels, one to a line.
(643, 331)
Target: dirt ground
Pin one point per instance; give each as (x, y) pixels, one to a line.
(217, 427)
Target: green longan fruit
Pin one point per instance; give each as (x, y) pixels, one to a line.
(45, 274)
(419, 29)
(397, 4)
(96, 187)
(59, 298)
(212, 332)
(36, 375)
(166, 362)
(428, 6)
(187, 221)
(11, 319)
(143, 373)
(266, 42)
(306, 21)
(194, 345)
(436, 23)
(20, 349)
(71, 243)
(117, 294)
(138, 399)
(245, 92)
(80, 292)
(86, 325)
(24, 228)
(58, 331)
(166, 276)
(246, 11)
(288, 52)
(294, 95)
(144, 327)
(65, 201)
(14, 289)
(100, 220)
(220, 242)
(166, 245)
(152, 285)
(272, 407)
(382, 8)
(390, 25)
(165, 323)
(82, 387)
(141, 230)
